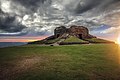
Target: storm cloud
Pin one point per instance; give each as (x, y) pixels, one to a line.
(39, 17)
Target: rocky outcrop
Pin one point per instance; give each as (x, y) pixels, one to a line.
(59, 31)
(78, 31)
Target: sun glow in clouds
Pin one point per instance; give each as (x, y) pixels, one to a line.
(118, 40)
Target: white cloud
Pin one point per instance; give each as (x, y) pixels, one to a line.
(111, 30)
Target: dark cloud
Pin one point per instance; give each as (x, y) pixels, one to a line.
(31, 5)
(9, 23)
(94, 4)
(36, 17)
(87, 5)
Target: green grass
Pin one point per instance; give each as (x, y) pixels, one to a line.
(52, 41)
(77, 62)
(74, 39)
(97, 40)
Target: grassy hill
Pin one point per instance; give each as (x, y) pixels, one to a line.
(68, 40)
(77, 62)
(98, 40)
(51, 41)
(74, 40)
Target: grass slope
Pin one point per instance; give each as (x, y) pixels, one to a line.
(97, 40)
(74, 40)
(52, 41)
(78, 62)
(45, 41)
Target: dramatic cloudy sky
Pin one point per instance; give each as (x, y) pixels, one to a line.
(40, 17)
